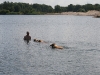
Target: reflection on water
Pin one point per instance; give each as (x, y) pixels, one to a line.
(79, 35)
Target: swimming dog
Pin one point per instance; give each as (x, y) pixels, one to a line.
(56, 46)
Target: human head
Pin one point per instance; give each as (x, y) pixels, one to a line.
(27, 33)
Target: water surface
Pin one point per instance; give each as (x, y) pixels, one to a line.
(79, 35)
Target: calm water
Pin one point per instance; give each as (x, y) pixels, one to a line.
(79, 35)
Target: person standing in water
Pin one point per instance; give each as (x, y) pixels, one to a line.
(27, 37)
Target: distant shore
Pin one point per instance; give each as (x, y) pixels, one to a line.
(89, 13)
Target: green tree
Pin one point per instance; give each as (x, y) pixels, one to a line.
(57, 9)
(97, 7)
(89, 7)
(63, 9)
(77, 7)
(17, 8)
(81, 10)
(37, 7)
(70, 7)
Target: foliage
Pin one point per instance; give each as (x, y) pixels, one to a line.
(24, 8)
(57, 9)
(37, 9)
(70, 7)
(3, 11)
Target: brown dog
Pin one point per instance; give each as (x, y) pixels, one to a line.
(55, 46)
(35, 40)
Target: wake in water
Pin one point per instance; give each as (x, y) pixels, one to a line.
(53, 45)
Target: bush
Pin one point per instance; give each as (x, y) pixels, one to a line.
(81, 10)
(4, 12)
(14, 13)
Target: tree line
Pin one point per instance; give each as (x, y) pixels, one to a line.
(35, 9)
(81, 8)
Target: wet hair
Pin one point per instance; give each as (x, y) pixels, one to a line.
(53, 44)
(27, 33)
(35, 40)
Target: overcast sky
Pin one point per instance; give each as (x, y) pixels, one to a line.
(56, 2)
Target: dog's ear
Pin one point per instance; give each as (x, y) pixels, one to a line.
(51, 45)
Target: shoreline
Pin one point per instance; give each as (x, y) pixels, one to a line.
(93, 13)
(89, 13)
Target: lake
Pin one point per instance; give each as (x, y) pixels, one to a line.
(78, 35)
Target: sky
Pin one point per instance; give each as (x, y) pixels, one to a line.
(56, 2)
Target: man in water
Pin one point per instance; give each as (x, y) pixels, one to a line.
(27, 37)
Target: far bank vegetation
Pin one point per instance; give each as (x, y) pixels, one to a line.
(12, 8)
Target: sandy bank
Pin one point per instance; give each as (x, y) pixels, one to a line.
(89, 13)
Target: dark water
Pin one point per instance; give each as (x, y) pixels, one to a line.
(79, 35)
